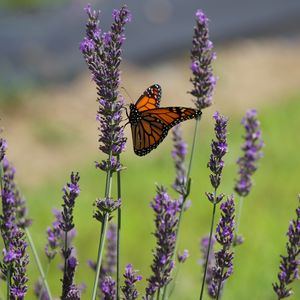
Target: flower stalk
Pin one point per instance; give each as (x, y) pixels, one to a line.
(219, 149)
(102, 53)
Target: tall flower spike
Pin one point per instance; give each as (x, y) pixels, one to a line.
(252, 153)
(102, 53)
(223, 259)
(15, 258)
(70, 193)
(219, 149)
(289, 264)
(129, 289)
(179, 153)
(166, 219)
(202, 56)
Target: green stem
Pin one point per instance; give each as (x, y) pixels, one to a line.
(187, 187)
(38, 262)
(103, 231)
(187, 190)
(118, 231)
(100, 254)
(208, 249)
(158, 294)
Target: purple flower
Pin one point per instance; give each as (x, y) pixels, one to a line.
(219, 149)
(71, 192)
(202, 56)
(183, 257)
(252, 153)
(166, 219)
(179, 153)
(15, 259)
(108, 288)
(3, 147)
(105, 206)
(129, 290)
(224, 258)
(102, 53)
(18, 287)
(55, 236)
(69, 290)
(289, 263)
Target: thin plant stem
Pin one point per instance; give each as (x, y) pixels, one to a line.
(219, 295)
(184, 197)
(103, 231)
(208, 249)
(100, 254)
(38, 262)
(187, 187)
(238, 219)
(158, 294)
(118, 231)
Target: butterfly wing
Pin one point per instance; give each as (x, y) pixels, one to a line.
(150, 98)
(154, 125)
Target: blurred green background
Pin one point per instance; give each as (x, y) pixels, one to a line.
(51, 131)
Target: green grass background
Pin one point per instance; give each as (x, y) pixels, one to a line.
(265, 217)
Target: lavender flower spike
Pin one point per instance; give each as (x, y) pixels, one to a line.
(223, 259)
(202, 56)
(179, 153)
(252, 153)
(71, 192)
(15, 259)
(102, 53)
(166, 219)
(289, 264)
(219, 149)
(3, 147)
(108, 288)
(129, 290)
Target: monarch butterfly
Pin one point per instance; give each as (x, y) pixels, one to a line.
(150, 123)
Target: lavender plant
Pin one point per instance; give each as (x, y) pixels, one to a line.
(102, 53)
(252, 149)
(203, 81)
(166, 219)
(15, 258)
(223, 267)
(131, 277)
(71, 192)
(219, 149)
(289, 264)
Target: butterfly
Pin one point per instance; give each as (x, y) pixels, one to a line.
(150, 123)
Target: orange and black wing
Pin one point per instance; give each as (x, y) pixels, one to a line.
(154, 125)
(150, 98)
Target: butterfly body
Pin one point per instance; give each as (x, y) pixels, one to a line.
(150, 123)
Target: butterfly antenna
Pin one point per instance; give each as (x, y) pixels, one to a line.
(122, 87)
